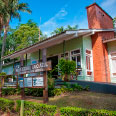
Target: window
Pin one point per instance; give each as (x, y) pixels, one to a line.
(113, 64)
(76, 56)
(66, 55)
(89, 62)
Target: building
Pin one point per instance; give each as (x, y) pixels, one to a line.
(93, 49)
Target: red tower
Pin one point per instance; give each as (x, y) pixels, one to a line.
(99, 19)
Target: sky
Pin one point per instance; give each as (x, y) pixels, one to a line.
(57, 13)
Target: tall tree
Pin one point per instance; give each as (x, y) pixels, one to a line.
(62, 29)
(23, 36)
(26, 35)
(114, 22)
(12, 9)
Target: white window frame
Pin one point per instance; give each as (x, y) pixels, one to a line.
(91, 63)
(111, 57)
(78, 54)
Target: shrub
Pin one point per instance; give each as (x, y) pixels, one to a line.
(35, 109)
(6, 105)
(10, 91)
(73, 111)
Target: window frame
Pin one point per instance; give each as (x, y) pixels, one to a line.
(111, 59)
(78, 54)
(91, 64)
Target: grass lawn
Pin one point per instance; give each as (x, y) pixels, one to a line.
(88, 100)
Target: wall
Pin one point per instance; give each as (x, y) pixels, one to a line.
(8, 69)
(98, 18)
(76, 43)
(83, 43)
(87, 44)
(111, 48)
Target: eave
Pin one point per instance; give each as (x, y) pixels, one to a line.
(54, 40)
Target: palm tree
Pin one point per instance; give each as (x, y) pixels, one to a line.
(12, 10)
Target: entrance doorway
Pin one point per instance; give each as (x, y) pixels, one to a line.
(54, 62)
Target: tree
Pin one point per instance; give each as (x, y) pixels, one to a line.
(114, 22)
(23, 36)
(62, 29)
(26, 35)
(10, 10)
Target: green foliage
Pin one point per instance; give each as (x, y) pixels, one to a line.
(6, 105)
(62, 29)
(52, 91)
(23, 36)
(35, 109)
(74, 111)
(18, 105)
(66, 67)
(26, 35)
(77, 87)
(2, 74)
(114, 22)
(11, 91)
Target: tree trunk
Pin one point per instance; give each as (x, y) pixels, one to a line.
(4, 43)
(66, 78)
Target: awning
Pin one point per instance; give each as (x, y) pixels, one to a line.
(56, 39)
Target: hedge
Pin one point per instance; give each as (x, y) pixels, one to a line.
(6, 105)
(36, 109)
(74, 111)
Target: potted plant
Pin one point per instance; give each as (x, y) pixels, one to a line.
(66, 68)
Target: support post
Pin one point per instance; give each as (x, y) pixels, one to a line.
(45, 90)
(22, 89)
(17, 82)
(39, 54)
(22, 108)
(64, 48)
(1, 86)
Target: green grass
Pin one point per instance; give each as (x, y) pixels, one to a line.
(88, 100)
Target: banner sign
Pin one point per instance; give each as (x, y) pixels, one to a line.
(39, 67)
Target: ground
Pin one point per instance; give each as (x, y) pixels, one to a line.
(88, 100)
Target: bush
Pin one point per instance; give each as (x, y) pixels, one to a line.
(6, 105)
(73, 111)
(11, 91)
(35, 109)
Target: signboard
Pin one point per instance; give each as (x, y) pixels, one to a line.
(38, 82)
(31, 82)
(21, 83)
(27, 82)
(39, 67)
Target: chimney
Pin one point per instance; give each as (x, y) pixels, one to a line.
(98, 18)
